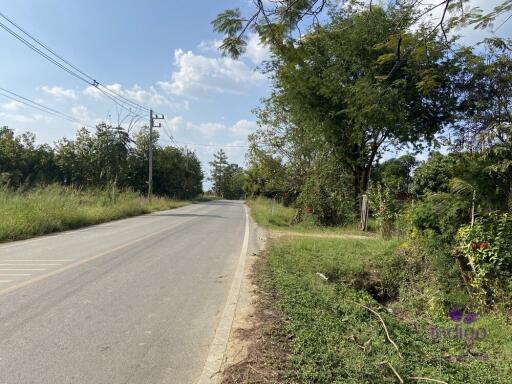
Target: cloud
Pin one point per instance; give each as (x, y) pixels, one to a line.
(60, 93)
(175, 123)
(255, 50)
(136, 94)
(80, 112)
(12, 105)
(197, 75)
(244, 127)
(238, 131)
(19, 118)
(209, 45)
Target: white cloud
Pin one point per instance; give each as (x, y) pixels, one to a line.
(12, 105)
(238, 131)
(244, 127)
(175, 123)
(209, 45)
(197, 75)
(60, 92)
(136, 94)
(80, 112)
(19, 118)
(256, 51)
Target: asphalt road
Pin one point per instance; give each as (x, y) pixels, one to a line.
(131, 301)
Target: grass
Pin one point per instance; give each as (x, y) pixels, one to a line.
(336, 341)
(275, 216)
(319, 285)
(51, 209)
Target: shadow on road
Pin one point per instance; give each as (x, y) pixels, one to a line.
(226, 202)
(184, 215)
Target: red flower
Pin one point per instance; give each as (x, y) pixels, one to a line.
(484, 245)
(309, 210)
(473, 246)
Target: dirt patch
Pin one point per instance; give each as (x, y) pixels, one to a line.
(257, 351)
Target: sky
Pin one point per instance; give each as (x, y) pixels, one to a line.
(161, 54)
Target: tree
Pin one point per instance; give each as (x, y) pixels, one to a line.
(22, 162)
(343, 95)
(280, 23)
(218, 171)
(107, 158)
(434, 175)
(228, 179)
(396, 174)
(177, 173)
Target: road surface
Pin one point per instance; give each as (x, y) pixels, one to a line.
(131, 301)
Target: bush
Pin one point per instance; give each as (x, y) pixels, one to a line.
(329, 203)
(385, 207)
(484, 251)
(437, 217)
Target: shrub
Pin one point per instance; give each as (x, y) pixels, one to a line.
(329, 204)
(385, 207)
(485, 254)
(437, 217)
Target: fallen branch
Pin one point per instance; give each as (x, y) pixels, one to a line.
(393, 369)
(427, 379)
(383, 324)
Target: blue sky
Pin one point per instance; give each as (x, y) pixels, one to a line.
(159, 53)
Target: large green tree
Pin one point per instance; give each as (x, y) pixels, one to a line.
(343, 94)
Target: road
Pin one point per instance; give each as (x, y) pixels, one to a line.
(131, 301)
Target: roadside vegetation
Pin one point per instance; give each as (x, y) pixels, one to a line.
(370, 310)
(428, 297)
(98, 176)
(106, 158)
(43, 210)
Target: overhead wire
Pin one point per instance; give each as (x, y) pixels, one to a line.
(43, 108)
(67, 66)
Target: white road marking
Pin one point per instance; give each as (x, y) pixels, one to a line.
(219, 343)
(15, 274)
(42, 261)
(25, 269)
(5, 281)
(79, 262)
(26, 265)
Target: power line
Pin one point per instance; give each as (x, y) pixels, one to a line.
(212, 145)
(30, 103)
(69, 67)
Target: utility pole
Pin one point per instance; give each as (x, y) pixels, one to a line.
(151, 126)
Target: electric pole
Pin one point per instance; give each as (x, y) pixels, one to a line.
(151, 126)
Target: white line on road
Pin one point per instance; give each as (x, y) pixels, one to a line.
(5, 281)
(27, 265)
(37, 261)
(15, 274)
(79, 262)
(24, 269)
(213, 365)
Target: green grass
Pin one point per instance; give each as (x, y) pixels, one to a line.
(273, 215)
(44, 210)
(335, 341)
